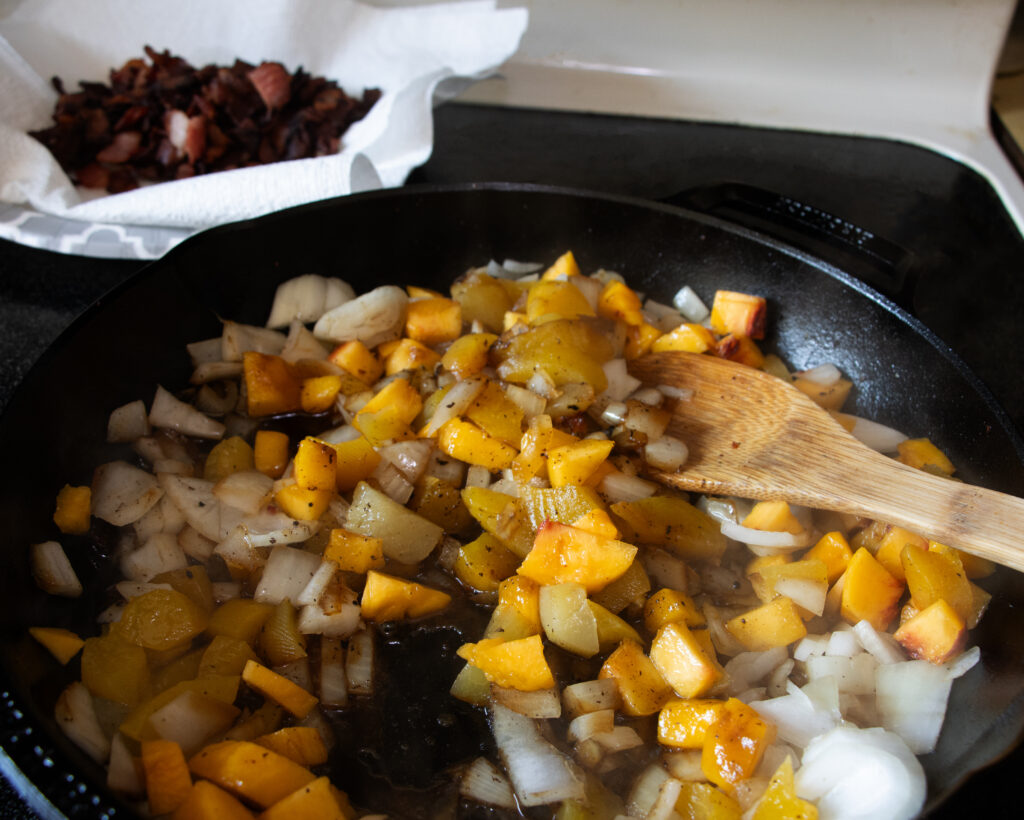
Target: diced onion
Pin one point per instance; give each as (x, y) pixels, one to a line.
(616, 487)
(359, 663)
(333, 681)
(663, 317)
(876, 436)
(128, 422)
(76, 715)
(804, 592)
(690, 305)
(911, 699)
(773, 541)
(591, 723)
(541, 703)
(540, 773)
(824, 374)
(286, 574)
(614, 413)
(861, 774)
(666, 453)
(52, 570)
(517, 268)
(454, 404)
(620, 383)
(482, 782)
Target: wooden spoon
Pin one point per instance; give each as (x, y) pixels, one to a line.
(752, 435)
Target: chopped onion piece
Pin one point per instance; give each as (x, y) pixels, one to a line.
(617, 486)
(532, 404)
(122, 775)
(339, 435)
(208, 350)
(359, 663)
(881, 645)
(301, 345)
(454, 404)
(52, 570)
(75, 713)
(215, 371)
(478, 476)
(174, 414)
(675, 392)
(333, 681)
(314, 590)
(539, 772)
(796, 717)
(911, 699)
(128, 422)
(843, 643)
(542, 703)
(690, 305)
(339, 624)
(823, 374)
(646, 789)
(614, 413)
(410, 457)
(772, 541)
(245, 490)
(238, 339)
(226, 590)
(590, 723)
(392, 483)
(191, 719)
(122, 493)
(663, 317)
(542, 384)
(962, 664)
(855, 774)
(664, 807)
(876, 436)
(373, 318)
(306, 298)
(804, 592)
(620, 383)
(517, 268)
(651, 396)
(482, 782)
(750, 668)
(619, 738)
(286, 574)
(590, 288)
(855, 676)
(665, 569)
(161, 553)
(810, 645)
(590, 696)
(666, 453)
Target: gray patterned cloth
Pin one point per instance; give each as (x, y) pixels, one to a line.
(53, 233)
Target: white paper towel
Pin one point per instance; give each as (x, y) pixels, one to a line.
(406, 52)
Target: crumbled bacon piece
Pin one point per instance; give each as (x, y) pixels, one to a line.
(162, 119)
(272, 83)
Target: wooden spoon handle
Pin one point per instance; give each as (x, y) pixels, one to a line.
(983, 522)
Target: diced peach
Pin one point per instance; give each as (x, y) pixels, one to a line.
(563, 554)
(358, 360)
(270, 452)
(936, 633)
(834, 551)
(776, 623)
(271, 387)
(780, 800)
(773, 516)
(619, 301)
(640, 339)
(575, 463)
(467, 355)
(73, 510)
(483, 299)
(62, 643)
(517, 613)
(301, 503)
(739, 313)
(250, 771)
(683, 661)
(207, 801)
(386, 598)
(735, 745)
(279, 689)
(741, 349)
(515, 664)
(932, 575)
(565, 265)
(353, 552)
(409, 354)
(697, 799)
(241, 618)
(642, 688)
(232, 455)
(356, 462)
(433, 321)
(387, 415)
(497, 415)
(319, 799)
(684, 723)
(168, 782)
(974, 566)
(670, 522)
(870, 593)
(688, 338)
(318, 393)
(923, 455)
(668, 606)
(315, 465)
(465, 441)
(303, 744)
(485, 562)
(598, 522)
(890, 547)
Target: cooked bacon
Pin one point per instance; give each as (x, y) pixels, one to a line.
(273, 84)
(122, 149)
(161, 119)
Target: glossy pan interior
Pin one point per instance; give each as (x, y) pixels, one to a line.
(133, 339)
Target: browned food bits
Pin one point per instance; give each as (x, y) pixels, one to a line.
(163, 119)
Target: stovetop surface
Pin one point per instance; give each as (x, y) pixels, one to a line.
(961, 257)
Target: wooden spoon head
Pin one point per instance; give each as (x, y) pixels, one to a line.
(749, 433)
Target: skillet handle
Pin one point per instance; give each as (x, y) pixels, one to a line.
(882, 264)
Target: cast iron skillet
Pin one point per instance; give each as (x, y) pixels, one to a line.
(52, 432)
